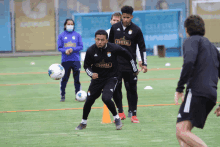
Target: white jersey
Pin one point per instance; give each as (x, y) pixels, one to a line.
(137, 49)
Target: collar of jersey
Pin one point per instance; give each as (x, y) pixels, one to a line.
(69, 32)
(105, 46)
(124, 26)
(102, 48)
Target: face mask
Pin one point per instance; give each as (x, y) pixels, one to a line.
(69, 28)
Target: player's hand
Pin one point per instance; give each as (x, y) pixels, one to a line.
(177, 96)
(140, 63)
(95, 76)
(217, 111)
(136, 73)
(70, 50)
(144, 69)
(67, 52)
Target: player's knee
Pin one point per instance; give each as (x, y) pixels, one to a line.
(89, 101)
(64, 79)
(77, 82)
(179, 131)
(127, 85)
(133, 91)
(106, 99)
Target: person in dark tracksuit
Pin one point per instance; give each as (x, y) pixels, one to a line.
(128, 35)
(69, 44)
(101, 65)
(200, 71)
(115, 18)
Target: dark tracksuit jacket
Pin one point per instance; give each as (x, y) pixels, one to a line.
(104, 61)
(128, 39)
(200, 70)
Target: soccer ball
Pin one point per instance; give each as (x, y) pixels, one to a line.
(56, 71)
(81, 96)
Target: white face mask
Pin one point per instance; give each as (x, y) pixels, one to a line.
(69, 28)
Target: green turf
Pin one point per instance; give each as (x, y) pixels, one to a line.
(56, 128)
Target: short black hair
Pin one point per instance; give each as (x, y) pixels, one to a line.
(118, 14)
(127, 9)
(66, 23)
(101, 32)
(195, 25)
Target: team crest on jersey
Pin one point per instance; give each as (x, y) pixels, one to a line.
(88, 93)
(74, 37)
(130, 32)
(65, 38)
(109, 54)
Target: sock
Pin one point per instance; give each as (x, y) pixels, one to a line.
(116, 116)
(134, 112)
(84, 121)
(120, 110)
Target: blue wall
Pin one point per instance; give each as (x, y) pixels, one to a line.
(5, 26)
(172, 4)
(159, 27)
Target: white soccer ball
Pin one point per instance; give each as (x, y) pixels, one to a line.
(81, 96)
(56, 71)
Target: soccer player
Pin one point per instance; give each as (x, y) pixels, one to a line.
(128, 35)
(200, 71)
(69, 44)
(102, 66)
(115, 18)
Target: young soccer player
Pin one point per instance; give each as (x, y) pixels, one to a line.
(101, 65)
(128, 35)
(200, 71)
(115, 18)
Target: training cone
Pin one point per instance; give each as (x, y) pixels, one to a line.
(106, 116)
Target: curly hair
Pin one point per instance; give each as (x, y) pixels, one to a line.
(195, 25)
(127, 9)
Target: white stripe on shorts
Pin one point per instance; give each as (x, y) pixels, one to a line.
(188, 102)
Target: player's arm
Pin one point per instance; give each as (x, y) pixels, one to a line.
(111, 35)
(123, 52)
(60, 44)
(142, 48)
(79, 45)
(190, 51)
(88, 63)
(138, 56)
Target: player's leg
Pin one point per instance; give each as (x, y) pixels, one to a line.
(130, 78)
(128, 98)
(93, 93)
(186, 137)
(193, 112)
(117, 96)
(76, 66)
(64, 80)
(107, 95)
